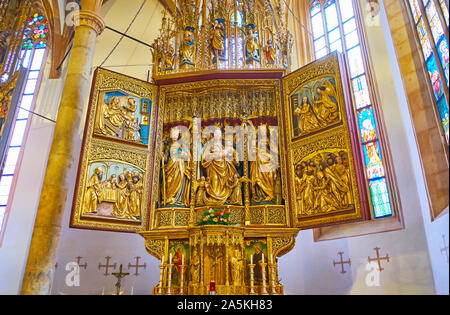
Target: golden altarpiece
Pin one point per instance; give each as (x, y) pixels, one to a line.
(220, 208)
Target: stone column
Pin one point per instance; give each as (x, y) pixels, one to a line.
(39, 272)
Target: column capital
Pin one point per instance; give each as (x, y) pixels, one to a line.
(90, 19)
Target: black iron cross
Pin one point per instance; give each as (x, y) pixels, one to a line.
(379, 259)
(342, 262)
(137, 266)
(106, 266)
(79, 263)
(445, 249)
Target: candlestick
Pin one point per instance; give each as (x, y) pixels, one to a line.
(169, 278)
(161, 275)
(182, 278)
(264, 284)
(272, 277)
(252, 278)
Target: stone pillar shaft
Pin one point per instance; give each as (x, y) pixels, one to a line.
(39, 272)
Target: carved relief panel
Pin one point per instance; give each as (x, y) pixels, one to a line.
(324, 155)
(113, 183)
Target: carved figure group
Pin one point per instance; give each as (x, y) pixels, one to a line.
(321, 113)
(125, 192)
(120, 120)
(323, 184)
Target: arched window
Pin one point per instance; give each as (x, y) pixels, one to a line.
(431, 23)
(335, 26)
(32, 55)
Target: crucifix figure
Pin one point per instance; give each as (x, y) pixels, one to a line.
(119, 275)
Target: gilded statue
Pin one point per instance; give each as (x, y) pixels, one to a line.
(94, 191)
(327, 110)
(201, 198)
(111, 117)
(194, 267)
(169, 58)
(136, 189)
(131, 122)
(251, 46)
(121, 206)
(338, 187)
(270, 52)
(220, 170)
(325, 201)
(263, 173)
(236, 195)
(176, 174)
(307, 120)
(187, 49)
(218, 40)
(237, 269)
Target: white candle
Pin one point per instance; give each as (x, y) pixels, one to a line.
(263, 258)
(132, 290)
(182, 259)
(271, 259)
(170, 258)
(251, 259)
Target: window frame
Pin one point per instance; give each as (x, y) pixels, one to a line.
(371, 225)
(434, 53)
(16, 173)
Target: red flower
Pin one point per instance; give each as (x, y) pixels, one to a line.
(218, 213)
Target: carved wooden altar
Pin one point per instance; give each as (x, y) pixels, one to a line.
(157, 158)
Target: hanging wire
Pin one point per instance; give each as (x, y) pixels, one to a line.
(129, 26)
(298, 21)
(310, 33)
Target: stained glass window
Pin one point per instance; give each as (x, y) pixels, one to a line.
(334, 28)
(430, 19)
(33, 52)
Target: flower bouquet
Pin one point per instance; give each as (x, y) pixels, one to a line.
(215, 217)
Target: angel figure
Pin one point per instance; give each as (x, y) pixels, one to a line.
(327, 109)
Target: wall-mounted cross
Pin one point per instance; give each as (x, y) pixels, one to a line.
(342, 262)
(137, 266)
(79, 263)
(445, 249)
(378, 258)
(106, 266)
